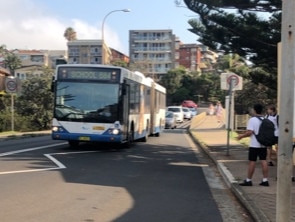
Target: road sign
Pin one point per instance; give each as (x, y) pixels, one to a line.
(10, 84)
(226, 79)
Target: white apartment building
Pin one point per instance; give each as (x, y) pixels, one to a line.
(152, 51)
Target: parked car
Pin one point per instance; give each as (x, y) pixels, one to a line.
(194, 111)
(186, 113)
(178, 113)
(170, 120)
(189, 104)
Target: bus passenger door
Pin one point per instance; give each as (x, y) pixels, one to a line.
(126, 109)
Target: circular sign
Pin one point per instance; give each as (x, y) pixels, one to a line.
(235, 78)
(11, 85)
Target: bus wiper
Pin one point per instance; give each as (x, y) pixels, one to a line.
(65, 106)
(72, 113)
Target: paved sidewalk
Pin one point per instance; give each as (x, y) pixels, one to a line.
(231, 158)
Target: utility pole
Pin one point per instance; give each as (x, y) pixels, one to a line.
(286, 107)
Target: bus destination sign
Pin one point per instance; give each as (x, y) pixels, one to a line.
(75, 73)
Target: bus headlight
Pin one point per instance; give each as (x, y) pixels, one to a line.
(116, 131)
(57, 129)
(54, 129)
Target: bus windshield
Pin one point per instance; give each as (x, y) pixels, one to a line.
(86, 102)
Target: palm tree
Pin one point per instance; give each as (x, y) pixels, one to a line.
(70, 34)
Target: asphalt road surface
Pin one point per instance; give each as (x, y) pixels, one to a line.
(165, 179)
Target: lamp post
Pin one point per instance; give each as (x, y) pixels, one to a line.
(102, 28)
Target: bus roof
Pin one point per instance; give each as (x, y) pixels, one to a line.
(135, 76)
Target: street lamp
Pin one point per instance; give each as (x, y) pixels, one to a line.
(102, 28)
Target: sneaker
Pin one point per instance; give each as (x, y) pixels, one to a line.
(265, 184)
(246, 183)
(270, 164)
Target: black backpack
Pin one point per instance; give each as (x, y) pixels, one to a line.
(266, 135)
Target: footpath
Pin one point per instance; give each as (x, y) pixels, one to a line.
(231, 158)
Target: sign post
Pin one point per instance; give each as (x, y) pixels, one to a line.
(11, 87)
(230, 82)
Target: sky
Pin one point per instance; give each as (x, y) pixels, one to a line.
(40, 24)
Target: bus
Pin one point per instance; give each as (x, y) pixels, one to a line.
(102, 103)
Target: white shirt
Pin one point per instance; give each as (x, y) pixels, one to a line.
(253, 125)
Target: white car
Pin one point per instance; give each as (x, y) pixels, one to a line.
(186, 113)
(178, 113)
(194, 111)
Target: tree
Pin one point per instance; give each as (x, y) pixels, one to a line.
(250, 29)
(70, 34)
(36, 102)
(188, 86)
(172, 80)
(3, 49)
(12, 62)
(120, 63)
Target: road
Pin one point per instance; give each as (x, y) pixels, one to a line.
(166, 179)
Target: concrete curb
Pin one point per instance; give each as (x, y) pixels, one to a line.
(24, 135)
(228, 178)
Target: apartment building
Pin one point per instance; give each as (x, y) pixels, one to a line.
(88, 52)
(208, 59)
(33, 61)
(152, 51)
(189, 56)
(31, 57)
(53, 56)
(118, 56)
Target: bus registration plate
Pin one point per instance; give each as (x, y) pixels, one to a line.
(84, 138)
(98, 127)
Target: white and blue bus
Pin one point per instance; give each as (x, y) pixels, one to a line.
(100, 103)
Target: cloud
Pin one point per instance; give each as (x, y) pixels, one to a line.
(31, 27)
(86, 31)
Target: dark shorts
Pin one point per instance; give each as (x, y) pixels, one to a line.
(257, 152)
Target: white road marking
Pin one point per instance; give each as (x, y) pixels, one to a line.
(48, 155)
(30, 149)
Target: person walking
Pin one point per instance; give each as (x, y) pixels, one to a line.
(274, 117)
(219, 112)
(256, 150)
(211, 109)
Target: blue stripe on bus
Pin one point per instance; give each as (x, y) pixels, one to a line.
(84, 137)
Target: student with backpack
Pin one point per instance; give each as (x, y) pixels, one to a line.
(274, 117)
(256, 149)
